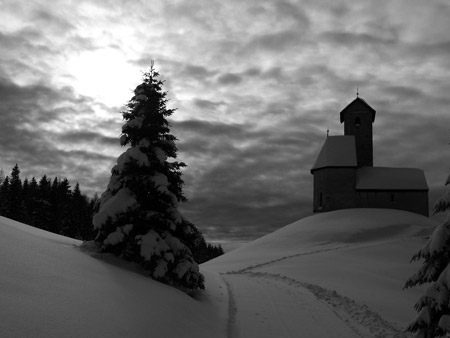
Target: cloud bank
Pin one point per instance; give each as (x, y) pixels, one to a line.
(256, 84)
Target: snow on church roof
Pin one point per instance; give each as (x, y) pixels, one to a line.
(385, 178)
(337, 151)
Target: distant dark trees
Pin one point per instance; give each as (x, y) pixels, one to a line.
(201, 250)
(49, 204)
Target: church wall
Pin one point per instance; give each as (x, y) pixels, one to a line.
(408, 200)
(334, 188)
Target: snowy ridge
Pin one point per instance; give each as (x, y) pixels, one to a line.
(342, 227)
(354, 261)
(336, 275)
(49, 288)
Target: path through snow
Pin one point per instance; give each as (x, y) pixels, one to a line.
(270, 305)
(267, 306)
(337, 274)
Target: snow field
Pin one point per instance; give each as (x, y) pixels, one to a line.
(338, 228)
(51, 289)
(357, 260)
(338, 274)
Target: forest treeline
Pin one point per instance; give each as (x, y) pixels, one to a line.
(51, 204)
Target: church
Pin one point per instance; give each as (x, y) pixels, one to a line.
(344, 175)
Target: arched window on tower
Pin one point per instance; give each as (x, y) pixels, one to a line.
(357, 122)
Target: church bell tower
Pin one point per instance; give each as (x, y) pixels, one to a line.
(358, 118)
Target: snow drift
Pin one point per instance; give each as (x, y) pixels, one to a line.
(49, 288)
(362, 254)
(335, 274)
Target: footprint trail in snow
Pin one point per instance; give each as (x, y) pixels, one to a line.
(269, 307)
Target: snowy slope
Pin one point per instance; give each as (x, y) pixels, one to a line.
(337, 274)
(49, 288)
(355, 261)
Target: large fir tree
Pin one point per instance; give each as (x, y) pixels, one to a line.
(138, 217)
(433, 307)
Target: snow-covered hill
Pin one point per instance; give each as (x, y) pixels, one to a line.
(338, 274)
(51, 289)
(356, 261)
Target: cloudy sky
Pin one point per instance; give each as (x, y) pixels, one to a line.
(257, 84)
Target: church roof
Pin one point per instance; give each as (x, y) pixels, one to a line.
(337, 151)
(385, 178)
(357, 104)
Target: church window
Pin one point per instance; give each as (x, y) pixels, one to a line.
(357, 122)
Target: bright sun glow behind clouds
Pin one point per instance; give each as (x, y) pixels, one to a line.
(256, 85)
(103, 74)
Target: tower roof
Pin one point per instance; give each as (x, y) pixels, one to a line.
(337, 151)
(357, 105)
